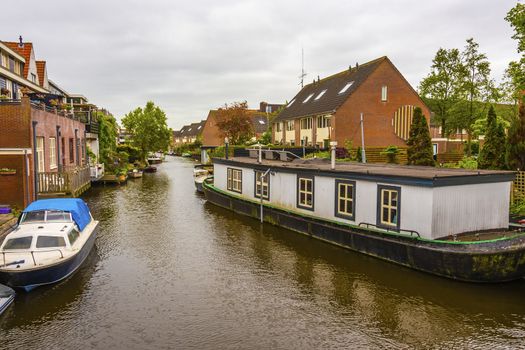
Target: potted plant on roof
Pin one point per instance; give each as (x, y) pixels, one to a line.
(4, 94)
(391, 153)
(7, 171)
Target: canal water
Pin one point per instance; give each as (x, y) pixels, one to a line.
(171, 271)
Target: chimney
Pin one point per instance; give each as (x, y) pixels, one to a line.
(262, 106)
(318, 79)
(356, 65)
(21, 42)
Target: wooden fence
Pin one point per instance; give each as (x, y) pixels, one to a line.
(67, 183)
(518, 187)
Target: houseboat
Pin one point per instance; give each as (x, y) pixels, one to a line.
(200, 173)
(51, 241)
(449, 222)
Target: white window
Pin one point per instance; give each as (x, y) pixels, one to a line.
(52, 153)
(17, 68)
(278, 127)
(384, 93)
(33, 77)
(323, 122)
(320, 95)
(291, 103)
(345, 202)
(290, 125)
(262, 182)
(346, 87)
(389, 206)
(305, 193)
(306, 123)
(9, 87)
(4, 59)
(308, 98)
(40, 153)
(234, 180)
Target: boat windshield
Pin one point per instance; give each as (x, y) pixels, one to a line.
(50, 242)
(46, 216)
(18, 243)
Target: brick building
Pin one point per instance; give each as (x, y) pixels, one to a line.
(330, 108)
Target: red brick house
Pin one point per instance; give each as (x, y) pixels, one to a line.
(329, 109)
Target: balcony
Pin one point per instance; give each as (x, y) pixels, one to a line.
(67, 183)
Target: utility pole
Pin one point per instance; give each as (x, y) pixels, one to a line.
(363, 152)
(303, 73)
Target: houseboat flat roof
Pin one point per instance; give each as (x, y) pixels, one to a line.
(410, 174)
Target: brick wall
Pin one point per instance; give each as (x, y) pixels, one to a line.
(378, 115)
(14, 190)
(15, 124)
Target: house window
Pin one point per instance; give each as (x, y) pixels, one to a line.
(262, 182)
(33, 77)
(323, 122)
(40, 154)
(389, 203)
(305, 192)
(11, 64)
(346, 87)
(290, 125)
(291, 103)
(71, 150)
(52, 153)
(345, 199)
(17, 68)
(320, 95)
(384, 93)
(278, 127)
(308, 98)
(9, 87)
(306, 123)
(234, 180)
(4, 59)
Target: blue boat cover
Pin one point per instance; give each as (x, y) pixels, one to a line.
(76, 206)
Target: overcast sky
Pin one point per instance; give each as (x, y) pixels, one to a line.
(192, 56)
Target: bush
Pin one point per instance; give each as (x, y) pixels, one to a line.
(391, 153)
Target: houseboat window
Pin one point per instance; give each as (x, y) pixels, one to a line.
(264, 182)
(306, 123)
(305, 193)
(50, 242)
(234, 180)
(389, 198)
(345, 199)
(346, 87)
(308, 98)
(73, 236)
(57, 215)
(34, 216)
(18, 243)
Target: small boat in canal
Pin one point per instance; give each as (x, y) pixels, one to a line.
(155, 158)
(7, 296)
(135, 173)
(200, 174)
(452, 223)
(51, 241)
(150, 169)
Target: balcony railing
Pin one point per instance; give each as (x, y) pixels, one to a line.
(68, 183)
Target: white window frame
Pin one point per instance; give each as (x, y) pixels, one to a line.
(290, 103)
(278, 127)
(303, 194)
(52, 153)
(4, 59)
(323, 122)
(265, 185)
(40, 154)
(392, 195)
(308, 98)
(306, 123)
(384, 93)
(290, 125)
(347, 210)
(320, 95)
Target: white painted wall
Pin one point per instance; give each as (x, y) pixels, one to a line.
(322, 134)
(468, 208)
(290, 135)
(432, 212)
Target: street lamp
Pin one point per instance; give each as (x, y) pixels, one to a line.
(226, 141)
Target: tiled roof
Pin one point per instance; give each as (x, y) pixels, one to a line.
(24, 51)
(194, 129)
(326, 95)
(259, 122)
(41, 69)
(176, 133)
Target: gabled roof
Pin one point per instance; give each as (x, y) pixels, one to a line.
(259, 122)
(309, 100)
(192, 130)
(24, 51)
(41, 71)
(176, 133)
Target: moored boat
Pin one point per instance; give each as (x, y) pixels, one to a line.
(135, 173)
(7, 296)
(50, 243)
(453, 223)
(200, 174)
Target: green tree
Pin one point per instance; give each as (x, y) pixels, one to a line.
(107, 137)
(514, 80)
(516, 141)
(492, 155)
(234, 122)
(441, 88)
(148, 129)
(419, 143)
(476, 85)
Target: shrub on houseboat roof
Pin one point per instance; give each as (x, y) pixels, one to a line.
(419, 143)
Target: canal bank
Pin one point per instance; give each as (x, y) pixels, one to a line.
(171, 271)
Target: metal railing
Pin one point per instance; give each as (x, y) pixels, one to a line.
(411, 232)
(32, 252)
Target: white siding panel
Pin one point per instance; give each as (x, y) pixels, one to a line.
(468, 208)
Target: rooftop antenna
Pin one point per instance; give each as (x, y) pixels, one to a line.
(303, 73)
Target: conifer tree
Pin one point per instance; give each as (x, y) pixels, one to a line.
(492, 155)
(419, 142)
(516, 144)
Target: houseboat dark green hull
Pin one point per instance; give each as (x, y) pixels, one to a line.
(492, 261)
